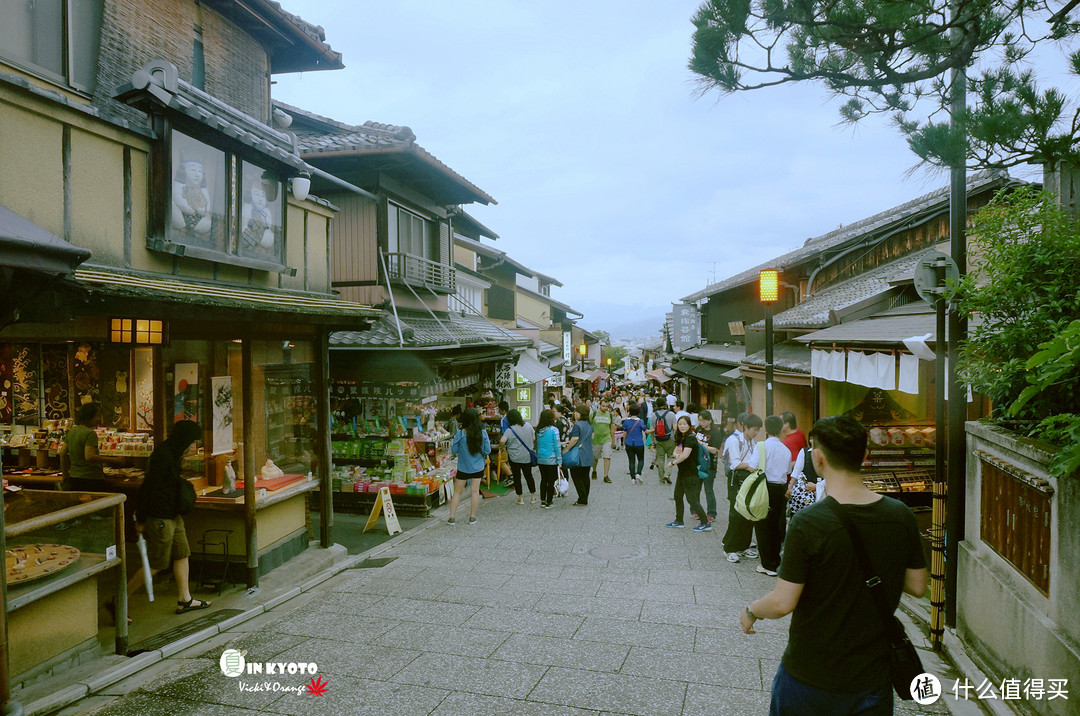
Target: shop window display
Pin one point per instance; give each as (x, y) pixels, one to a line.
(224, 204)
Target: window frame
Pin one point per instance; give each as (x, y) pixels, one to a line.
(226, 243)
(72, 24)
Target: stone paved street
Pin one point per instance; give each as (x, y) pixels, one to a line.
(574, 610)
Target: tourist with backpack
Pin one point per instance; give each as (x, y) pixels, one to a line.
(687, 481)
(740, 459)
(711, 439)
(661, 428)
(777, 467)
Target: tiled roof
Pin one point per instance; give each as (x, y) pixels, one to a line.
(886, 328)
(164, 88)
(266, 19)
(420, 330)
(838, 237)
(786, 356)
(724, 353)
(814, 311)
(320, 135)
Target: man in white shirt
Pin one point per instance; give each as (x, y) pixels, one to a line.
(740, 459)
(680, 411)
(770, 531)
(670, 400)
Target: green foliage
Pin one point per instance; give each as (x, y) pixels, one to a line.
(1054, 369)
(1024, 351)
(885, 57)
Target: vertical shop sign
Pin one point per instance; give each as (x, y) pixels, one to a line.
(57, 381)
(186, 392)
(687, 326)
(86, 375)
(26, 390)
(567, 355)
(221, 389)
(144, 389)
(384, 504)
(504, 376)
(6, 394)
(115, 398)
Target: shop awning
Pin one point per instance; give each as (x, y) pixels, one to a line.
(196, 294)
(580, 375)
(708, 372)
(532, 370)
(25, 245)
(659, 375)
(733, 374)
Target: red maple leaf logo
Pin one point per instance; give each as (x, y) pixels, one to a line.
(317, 687)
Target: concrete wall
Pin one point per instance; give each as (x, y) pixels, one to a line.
(1012, 627)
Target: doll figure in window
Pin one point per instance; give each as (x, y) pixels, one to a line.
(191, 200)
(256, 216)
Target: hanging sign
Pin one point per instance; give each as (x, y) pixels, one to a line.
(385, 505)
(223, 414)
(567, 354)
(504, 376)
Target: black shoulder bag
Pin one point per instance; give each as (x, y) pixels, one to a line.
(904, 663)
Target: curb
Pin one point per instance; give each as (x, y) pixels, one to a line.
(87, 687)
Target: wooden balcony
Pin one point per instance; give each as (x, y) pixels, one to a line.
(417, 271)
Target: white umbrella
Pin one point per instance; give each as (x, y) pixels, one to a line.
(146, 567)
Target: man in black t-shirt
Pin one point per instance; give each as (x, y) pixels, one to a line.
(836, 661)
(710, 438)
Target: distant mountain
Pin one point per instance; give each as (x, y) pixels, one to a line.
(643, 327)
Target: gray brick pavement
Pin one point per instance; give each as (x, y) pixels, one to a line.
(573, 610)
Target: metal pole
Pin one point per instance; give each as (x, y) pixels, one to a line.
(768, 360)
(957, 476)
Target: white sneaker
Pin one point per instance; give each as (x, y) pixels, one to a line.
(750, 553)
(762, 570)
(733, 557)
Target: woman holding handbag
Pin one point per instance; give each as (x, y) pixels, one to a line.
(577, 454)
(518, 439)
(548, 456)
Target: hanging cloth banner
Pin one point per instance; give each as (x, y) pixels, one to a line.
(385, 505)
(837, 365)
(885, 371)
(909, 374)
(818, 360)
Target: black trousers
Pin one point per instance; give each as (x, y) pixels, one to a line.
(522, 468)
(739, 529)
(635, 455)
(548, 473)
(771, 530)
(582, 481)
(689, 485)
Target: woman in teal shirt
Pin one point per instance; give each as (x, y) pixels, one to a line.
(471, 446)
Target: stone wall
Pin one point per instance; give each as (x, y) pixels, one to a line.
(1012, 627)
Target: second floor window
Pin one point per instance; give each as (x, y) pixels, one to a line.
(57, 39)
(410, 233)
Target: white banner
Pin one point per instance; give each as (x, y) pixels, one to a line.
(221, 387)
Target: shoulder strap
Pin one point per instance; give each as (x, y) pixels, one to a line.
(870, 577)
(520, 440)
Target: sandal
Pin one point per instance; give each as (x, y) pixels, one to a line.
(191, 605)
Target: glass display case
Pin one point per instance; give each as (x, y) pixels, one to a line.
(56, 545)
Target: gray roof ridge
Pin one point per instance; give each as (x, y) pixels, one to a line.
(392, 131)
(849, 232)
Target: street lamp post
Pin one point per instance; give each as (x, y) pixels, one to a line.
(582, 350)
(768, 292)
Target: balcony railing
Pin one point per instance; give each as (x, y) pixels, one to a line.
(417, 271)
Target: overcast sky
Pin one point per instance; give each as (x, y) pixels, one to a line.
(582, 121)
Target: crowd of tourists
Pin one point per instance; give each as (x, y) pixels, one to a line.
(841, 554)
